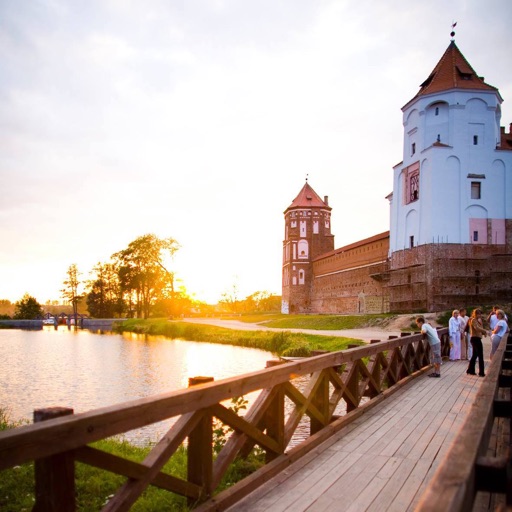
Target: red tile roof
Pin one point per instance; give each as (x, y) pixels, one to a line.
(308, 198)
(453, 71)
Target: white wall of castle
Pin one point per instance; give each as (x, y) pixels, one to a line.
(466, 126)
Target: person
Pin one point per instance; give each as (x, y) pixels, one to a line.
(476, 330)
(492, 319)
(500, 328)
(465, 346)
(454, 333)
(430, 334)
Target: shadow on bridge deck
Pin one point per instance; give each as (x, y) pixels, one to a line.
(383, 460)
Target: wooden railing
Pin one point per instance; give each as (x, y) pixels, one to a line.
(335, 389)
(478, 466)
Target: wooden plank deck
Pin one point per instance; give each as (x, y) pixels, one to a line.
(384, 459)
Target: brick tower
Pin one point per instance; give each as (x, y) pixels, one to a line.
(307, 236)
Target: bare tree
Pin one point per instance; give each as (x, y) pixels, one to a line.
(230, 296)
(70, 291)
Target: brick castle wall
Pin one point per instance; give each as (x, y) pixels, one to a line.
(352, 279)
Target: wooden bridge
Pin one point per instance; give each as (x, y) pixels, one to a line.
(385, 459)
(381, 435)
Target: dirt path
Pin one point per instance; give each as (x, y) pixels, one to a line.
(366, 334)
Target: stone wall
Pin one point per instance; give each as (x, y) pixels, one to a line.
(438, 277)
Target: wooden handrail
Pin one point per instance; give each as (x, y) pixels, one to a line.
(466, 469)
(373, 371)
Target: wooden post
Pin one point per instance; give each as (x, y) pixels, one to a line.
(274, 422)
(200, 449)
(321, 401)
(54, 475)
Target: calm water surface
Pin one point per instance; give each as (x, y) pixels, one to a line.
(83, 370)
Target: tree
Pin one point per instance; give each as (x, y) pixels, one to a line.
(230, 297)
(28, 308)
(6, 309)
(70, 292)
(265, 302)
(142, 274)
(104, 299)
(260, 302)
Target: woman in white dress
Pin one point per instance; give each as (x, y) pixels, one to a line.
(454, 333)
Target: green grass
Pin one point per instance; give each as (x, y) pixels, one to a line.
(327, 322)
(317, 322)
(283, 343)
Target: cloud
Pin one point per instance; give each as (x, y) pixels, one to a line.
(200, 120)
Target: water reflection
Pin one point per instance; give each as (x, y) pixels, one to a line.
(85, 370)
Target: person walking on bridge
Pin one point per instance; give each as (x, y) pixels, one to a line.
(476, 330)
(435, 344)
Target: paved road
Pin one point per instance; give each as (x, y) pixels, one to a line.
(366, 334)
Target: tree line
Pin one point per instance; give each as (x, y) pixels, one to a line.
(138, 282)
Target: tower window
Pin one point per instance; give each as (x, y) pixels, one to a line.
(413, 148)
(414, 188)
(303, 249)
(475, 140)
(475, 236)
(476, 192)
(411, 177)
(437, 111)
(411, 241)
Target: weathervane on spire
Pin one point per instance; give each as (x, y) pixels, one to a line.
(452, 33)
(307, 175)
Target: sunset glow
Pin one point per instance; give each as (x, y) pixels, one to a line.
(200, 122)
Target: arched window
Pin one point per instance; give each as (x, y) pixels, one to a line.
(302, 275)
(303, 248)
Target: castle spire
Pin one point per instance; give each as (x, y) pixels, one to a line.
(453, 71)
(452, 33)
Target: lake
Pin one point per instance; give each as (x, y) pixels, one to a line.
(85, 370)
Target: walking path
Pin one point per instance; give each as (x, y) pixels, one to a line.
(367, 334)
(383, 460)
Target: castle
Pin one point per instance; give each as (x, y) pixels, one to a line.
(450, 237)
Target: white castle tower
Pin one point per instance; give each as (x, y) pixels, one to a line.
(455, 182)
(451, 207)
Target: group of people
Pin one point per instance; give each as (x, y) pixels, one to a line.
(466, 337)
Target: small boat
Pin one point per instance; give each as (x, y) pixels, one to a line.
(49, 321)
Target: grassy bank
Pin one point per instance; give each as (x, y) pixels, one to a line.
(282, 343)
(318, 322)
(328, 322)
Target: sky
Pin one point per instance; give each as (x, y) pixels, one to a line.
(201, 119)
